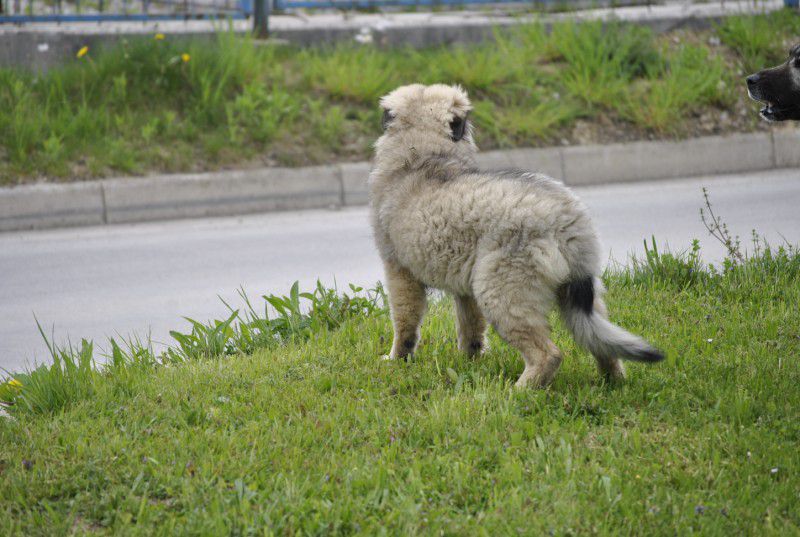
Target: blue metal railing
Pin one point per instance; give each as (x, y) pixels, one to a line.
(29, 11)
(21, 11)
(281, 5)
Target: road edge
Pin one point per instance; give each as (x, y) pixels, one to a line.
(229, 193)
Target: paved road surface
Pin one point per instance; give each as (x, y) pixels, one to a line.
(103, 281)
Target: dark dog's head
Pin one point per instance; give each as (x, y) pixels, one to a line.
(778, 88)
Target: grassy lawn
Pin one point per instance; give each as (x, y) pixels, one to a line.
(295, 425)
(163, 105)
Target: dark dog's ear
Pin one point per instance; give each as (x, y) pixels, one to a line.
(794, 56)
(386, 119)
(457, 128)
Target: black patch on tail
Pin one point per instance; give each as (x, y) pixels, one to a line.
(652, 355)
(579, 294)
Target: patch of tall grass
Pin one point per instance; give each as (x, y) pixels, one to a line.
(99, 113)
(357, 73)
(761, 41)
(50, 387)
(73, 374)
(171, 105)
(689, 80)
(601, 59)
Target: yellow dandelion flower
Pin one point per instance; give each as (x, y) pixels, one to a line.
(185, 57)
(82, 52)
(158, 37)
(14, 383)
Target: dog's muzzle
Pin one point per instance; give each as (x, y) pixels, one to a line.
(754, 91)
(752, 86)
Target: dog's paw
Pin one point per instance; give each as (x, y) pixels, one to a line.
(474, 348)
(613, 373)
(390, 358)
(530, 379)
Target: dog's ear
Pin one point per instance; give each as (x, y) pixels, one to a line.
(457, 128)
(386, 119)
(794, 56)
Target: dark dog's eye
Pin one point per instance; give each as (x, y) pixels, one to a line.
(457, 128)
(386, 119)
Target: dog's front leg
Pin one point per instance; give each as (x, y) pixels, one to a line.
(407, 303)
(470, 324)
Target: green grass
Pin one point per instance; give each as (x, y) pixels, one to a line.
(688, 82)
(293, 423)
(762, 41)
(602, 61)
(141, 108)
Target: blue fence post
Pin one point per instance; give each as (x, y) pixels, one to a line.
(791, 3)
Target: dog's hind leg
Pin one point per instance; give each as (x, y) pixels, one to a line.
(470, 324)
(542, 358)
(407, 303)
(516, 304)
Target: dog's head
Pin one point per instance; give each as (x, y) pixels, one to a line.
(420, 121)
(778, 88)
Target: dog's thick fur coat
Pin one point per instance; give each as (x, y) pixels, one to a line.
(509, 246)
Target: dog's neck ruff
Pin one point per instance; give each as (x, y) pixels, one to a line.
(444, 167)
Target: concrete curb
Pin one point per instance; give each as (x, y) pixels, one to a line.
(271, 189)
(221, 193)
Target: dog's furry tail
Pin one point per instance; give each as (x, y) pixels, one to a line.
(590, 328)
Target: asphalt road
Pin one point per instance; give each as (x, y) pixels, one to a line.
(119, 280)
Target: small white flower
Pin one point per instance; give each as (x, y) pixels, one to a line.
(364, 36)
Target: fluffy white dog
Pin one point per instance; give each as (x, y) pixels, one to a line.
(509, 246)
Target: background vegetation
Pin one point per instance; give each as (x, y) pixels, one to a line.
(162, 105)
